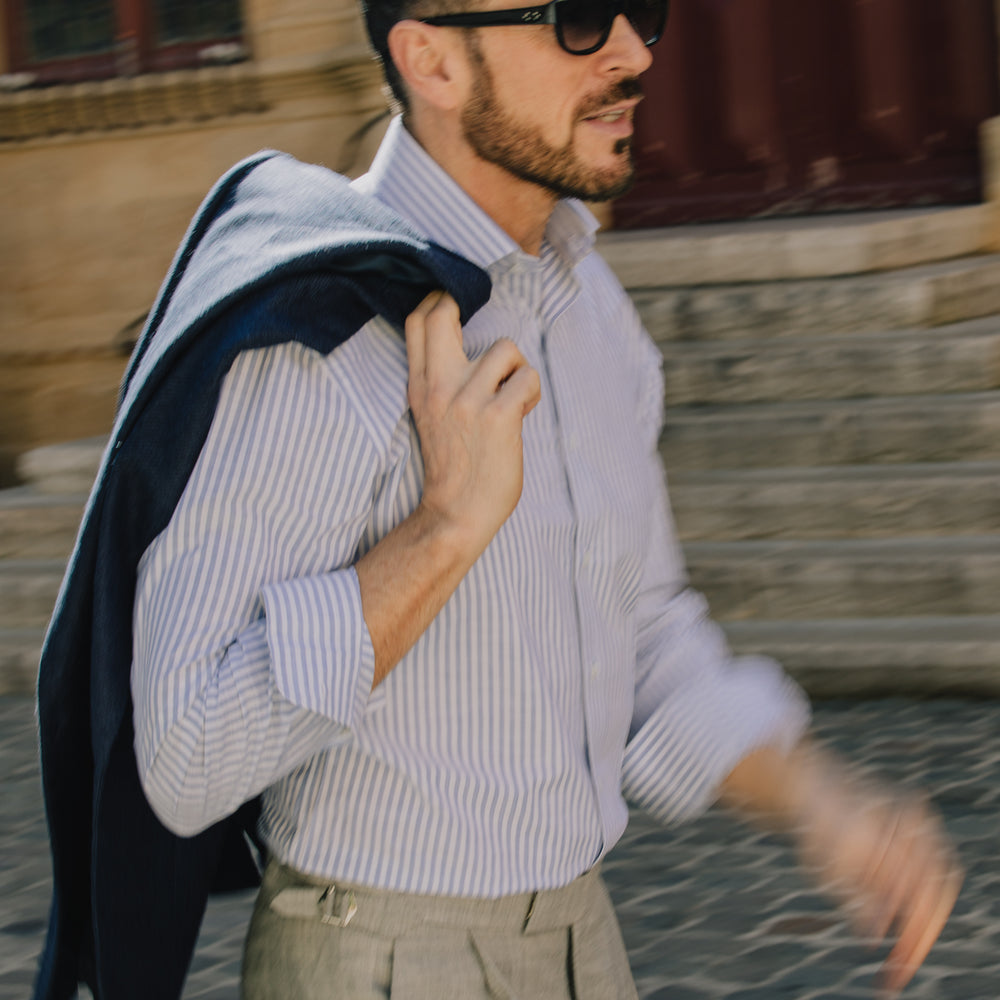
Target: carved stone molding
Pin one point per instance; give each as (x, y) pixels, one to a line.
(182, 96)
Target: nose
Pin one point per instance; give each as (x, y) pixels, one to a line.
(625, 49)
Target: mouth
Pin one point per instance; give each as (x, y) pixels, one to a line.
(612, 123)
(608, 116)
(613, 114)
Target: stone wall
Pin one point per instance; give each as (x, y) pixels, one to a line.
(99, 181)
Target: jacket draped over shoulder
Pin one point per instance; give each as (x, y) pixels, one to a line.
(279, 251)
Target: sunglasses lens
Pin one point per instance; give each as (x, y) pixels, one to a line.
(583, 25)
(647, 17)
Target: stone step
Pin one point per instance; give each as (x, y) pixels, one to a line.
(959, 358)
(28, 591)
(38, 525)
(847, 578)
(68, 467)
(927, 428)
(865, 657)
(959, 498)
(925, 296)
(20, 649)
(801, 247)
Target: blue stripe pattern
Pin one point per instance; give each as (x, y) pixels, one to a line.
(571, 665)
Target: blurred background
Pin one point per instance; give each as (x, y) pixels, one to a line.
(117, 115)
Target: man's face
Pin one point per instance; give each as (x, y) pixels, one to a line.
(560, 121)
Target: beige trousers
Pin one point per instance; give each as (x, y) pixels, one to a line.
(309, 940)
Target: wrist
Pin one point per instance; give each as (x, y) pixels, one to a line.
(452, 542)
(784, 788)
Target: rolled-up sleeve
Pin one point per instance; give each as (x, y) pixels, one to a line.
(699, 710)
(312, 622)
(251, 653)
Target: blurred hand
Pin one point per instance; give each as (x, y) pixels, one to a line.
(885, 857)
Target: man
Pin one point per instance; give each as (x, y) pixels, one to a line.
(426, 598)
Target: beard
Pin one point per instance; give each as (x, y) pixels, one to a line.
(520, 149)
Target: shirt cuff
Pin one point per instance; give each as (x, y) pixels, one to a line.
(677, 761)
(322, 656)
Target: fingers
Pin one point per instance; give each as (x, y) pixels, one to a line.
(883, 881)
(434, 335)
(416, 334)
(504, 372)
(922, 931)
(907, 882)
(932, 880)
(891, 862)
(468, 416)
(435, 354)
(523, 389)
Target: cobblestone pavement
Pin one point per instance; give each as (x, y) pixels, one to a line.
(711, 910)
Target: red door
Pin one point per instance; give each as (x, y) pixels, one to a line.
(782, 107)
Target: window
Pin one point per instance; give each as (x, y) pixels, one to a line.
(61, 41)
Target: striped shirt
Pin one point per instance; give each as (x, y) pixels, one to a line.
(571, 667)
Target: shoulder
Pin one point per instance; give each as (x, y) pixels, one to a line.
(353, 397)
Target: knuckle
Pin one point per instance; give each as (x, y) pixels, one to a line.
(447, 306)
(509, 350)
(445, 315)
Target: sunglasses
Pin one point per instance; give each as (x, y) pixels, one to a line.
(582, 26)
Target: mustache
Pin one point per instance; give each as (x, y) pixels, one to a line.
(621, 90)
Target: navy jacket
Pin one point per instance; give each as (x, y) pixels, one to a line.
(279, 251)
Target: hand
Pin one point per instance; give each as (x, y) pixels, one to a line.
(887, 859)
(469, 417)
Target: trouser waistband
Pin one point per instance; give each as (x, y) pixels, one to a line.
(292, 893)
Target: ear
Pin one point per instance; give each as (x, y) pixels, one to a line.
(431, 62)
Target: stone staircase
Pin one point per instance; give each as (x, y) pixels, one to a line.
(832, 438)
(832, 445)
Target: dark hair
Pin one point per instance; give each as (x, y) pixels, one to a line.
(380, 16)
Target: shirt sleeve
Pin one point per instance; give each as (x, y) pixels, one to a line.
(698, 710)
(251, 652)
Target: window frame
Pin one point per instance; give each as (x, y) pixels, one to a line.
(133, 51)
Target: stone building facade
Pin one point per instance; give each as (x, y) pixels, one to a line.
(99, 180)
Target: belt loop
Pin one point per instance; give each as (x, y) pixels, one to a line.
(328, 910)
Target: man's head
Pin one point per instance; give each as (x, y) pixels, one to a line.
(581, 26)
(521, 105)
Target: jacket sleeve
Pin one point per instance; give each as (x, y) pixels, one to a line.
(251, 652)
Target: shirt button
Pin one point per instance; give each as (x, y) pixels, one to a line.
(593, 671)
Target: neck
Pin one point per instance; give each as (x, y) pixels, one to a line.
(521, 208)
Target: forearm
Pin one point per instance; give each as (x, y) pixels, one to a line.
(779, 787)
(407, 578)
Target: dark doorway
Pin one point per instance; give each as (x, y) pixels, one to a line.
(786, 107)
